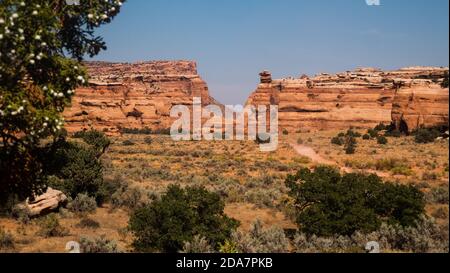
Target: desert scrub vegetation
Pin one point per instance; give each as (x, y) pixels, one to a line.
(347, 139)
(179, 215)
(82, 204)
(260, 240)
(427, 135)
(438, 195)
(328, 203)
(395, 166)
(98, 245)
(6, 240)
(425, 237)
(88, 223)
(51, 227)
(198, 244)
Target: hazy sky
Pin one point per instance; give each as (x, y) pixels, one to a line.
(233, 40)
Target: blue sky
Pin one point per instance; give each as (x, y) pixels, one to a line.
(233, 40)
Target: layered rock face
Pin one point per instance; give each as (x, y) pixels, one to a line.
(420, 106)
(360, 98)
(139, 95)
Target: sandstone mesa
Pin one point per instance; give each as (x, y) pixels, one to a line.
(140, 95)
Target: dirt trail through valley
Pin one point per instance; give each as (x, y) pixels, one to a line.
(309, 152)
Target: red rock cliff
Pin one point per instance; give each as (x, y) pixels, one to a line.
(360, 98)
(139, 95)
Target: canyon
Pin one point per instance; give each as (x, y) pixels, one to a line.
(140, 95)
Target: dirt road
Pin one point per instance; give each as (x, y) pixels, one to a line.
(309, 152)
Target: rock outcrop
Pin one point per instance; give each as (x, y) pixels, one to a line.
(139, 95)
(46, 203)
(420, 107)
(360, 98)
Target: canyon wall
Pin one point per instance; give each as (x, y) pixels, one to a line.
(360, 98)
(139, 95)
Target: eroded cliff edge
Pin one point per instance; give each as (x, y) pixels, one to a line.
(134, 95)
(409, 97)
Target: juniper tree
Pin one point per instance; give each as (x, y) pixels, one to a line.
(42, 44)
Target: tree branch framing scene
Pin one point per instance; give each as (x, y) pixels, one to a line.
(228, 129)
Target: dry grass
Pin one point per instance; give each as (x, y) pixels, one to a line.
(251, 182)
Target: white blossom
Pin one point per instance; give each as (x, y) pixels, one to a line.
(35, 12)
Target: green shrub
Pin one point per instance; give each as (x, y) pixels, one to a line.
(131, 198)
(382, 140)
(328, 203)
(94, 138)
(136, 131)
(351, 133)
(285, 132)
(393, 133)
(166, 224)
(98, 245)
(337, 141)
(350, 146)
(426, 135)
(426, 237)
(372, 133)
(128, 143)
(300, 141)
(402, 170)
(198, 244)
(381, 127)
(50, 227)
(75, 169)
(366, 137)
(388, 164)
(82, 204)
(259, 240)
(88, 223)
(438, 196)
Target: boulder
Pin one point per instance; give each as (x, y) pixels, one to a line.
(44, 204)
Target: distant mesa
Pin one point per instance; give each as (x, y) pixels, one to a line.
(140, 95)
(134, 95)
(410, 97)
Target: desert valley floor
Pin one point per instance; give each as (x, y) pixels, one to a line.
(250, 181)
